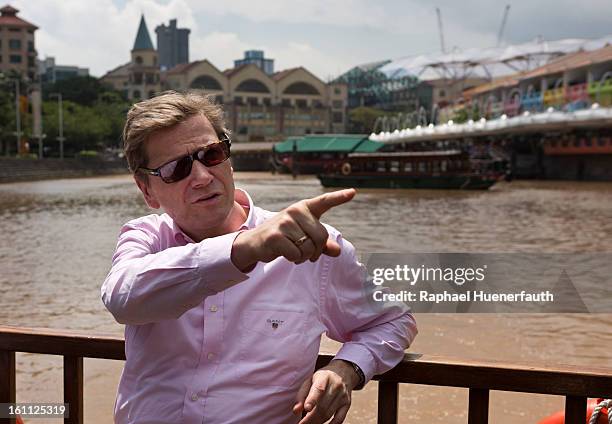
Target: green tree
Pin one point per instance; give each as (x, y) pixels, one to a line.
(7, 111)
(460, 115)
(362, 119)
(82, 90)
(85, 127)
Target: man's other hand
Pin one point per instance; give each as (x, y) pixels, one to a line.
(295, 233)
(327, 394)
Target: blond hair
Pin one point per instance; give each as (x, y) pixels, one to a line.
(164, 111)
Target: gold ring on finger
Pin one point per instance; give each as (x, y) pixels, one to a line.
(301, 240)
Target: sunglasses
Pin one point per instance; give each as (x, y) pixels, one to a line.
(180, 168)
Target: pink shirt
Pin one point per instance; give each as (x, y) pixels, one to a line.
(206, 343)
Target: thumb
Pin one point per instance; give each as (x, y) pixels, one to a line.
(298, 408)
(331, 248)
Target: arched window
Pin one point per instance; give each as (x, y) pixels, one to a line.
(138, 60)
(206, 82)
(252, 86)
(301, 88)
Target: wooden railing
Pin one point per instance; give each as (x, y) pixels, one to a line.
(576, 384)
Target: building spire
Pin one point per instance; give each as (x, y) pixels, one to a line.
(143, 41)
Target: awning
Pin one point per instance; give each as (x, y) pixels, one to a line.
(328, 143)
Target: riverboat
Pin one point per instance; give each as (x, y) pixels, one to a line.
(438, 169)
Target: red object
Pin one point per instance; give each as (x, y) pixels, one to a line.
(9, 17)
(559, 417)
(19, 420)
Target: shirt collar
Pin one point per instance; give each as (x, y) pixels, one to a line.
(242, 198)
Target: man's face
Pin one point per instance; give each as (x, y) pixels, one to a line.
(202, 204)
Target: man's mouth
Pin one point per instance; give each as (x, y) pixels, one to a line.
(207, 198)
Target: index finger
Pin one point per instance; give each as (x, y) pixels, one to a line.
(321, 204)
(317, 389)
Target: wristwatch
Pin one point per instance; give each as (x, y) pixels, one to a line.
(361, 375)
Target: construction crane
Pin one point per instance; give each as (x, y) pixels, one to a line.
(440, 29)
(503, 25)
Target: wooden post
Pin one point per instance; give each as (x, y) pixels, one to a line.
(478, 407)
(388, 392)
(294, 166)
(73, 388)
(7, 384)
(575, 409)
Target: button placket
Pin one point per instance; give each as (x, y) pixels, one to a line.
(211, 341)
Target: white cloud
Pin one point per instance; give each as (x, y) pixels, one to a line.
(99, 34)
(340, 13)
(95, 34)
(220, 48)
(323, 64)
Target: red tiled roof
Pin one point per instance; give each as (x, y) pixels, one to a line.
(181, 67)
(507, 81)
(232, 71)
(572, 61)
(282, 74)
(119, 71)
(566, 62)
(9, 18)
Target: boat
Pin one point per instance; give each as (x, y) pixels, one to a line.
(436, 169)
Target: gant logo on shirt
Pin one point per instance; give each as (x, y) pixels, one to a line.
(275, 323)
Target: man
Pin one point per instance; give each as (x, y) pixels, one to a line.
(224, 303)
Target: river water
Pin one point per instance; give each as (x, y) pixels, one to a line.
(59, 236)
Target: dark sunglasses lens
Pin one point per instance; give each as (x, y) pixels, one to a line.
(213, 155)
(176, 170)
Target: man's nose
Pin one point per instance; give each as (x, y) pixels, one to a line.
(200, 174)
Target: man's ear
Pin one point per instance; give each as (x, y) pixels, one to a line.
(147, 193)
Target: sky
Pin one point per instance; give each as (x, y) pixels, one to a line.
(327, 37)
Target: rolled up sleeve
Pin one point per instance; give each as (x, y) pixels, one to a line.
(374, 334)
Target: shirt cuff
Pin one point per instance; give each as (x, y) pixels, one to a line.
(360, 356)
(214, 261)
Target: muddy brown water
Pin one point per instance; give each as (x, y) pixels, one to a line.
(58, 238)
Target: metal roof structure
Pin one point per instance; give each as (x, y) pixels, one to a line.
(490, 62)
(375, 83)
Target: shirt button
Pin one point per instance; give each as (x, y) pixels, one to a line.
(194, 397)
(214, 308)
(211, 355)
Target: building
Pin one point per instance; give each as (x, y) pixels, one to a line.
(50, 72)
(172, 45)
(17, 47)
(256, 57)
(260, 106)
(143, 70)
(569, 83)
(433, 84)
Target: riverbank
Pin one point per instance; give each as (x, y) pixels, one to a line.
(244, 159)
(18, 169)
